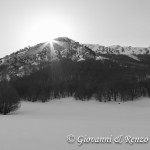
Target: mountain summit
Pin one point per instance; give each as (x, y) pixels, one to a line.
(24, 61)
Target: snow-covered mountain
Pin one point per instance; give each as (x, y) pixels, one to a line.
(25, 61)
(131, 52)
(117, 49)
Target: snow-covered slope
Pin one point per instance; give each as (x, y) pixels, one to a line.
(42, 126)
(24, 61)
(117, 49)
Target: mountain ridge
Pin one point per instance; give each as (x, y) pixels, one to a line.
(25, 61)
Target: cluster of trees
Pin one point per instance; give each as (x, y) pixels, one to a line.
(116, 78)
(104, 80)
(9, 98)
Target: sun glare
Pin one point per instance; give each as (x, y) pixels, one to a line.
(47, 29)
(50, 42)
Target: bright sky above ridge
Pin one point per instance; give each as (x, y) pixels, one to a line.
(104, 22)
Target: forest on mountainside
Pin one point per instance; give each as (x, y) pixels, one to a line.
(104, 80)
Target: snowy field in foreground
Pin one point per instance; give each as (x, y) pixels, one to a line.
(45, 126)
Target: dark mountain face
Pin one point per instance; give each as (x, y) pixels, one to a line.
(30, 59)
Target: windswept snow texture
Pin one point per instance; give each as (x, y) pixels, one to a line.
(45, 126)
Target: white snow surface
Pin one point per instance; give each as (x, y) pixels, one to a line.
(101, 58)
(45, 126)
(2, 61)
(134, 57)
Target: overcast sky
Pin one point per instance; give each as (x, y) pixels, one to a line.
(105, 22)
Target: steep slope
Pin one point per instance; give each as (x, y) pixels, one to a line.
(29, 59)
(26, 60)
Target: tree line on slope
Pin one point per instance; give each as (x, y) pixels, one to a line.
(104, 80)
(9, 98)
